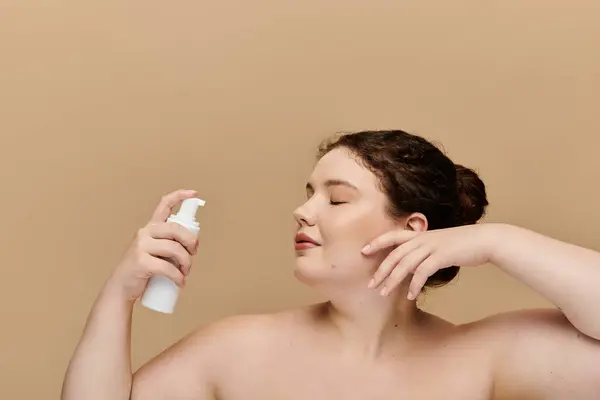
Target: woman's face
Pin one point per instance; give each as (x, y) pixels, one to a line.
(344, 210)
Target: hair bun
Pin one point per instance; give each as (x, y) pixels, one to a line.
(471, 196)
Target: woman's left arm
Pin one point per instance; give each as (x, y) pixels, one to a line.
(565, 274)
(546, 354)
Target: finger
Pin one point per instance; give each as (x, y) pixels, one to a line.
(170, 250)
(158, 266)
(427, 268)
(406, 266)
(176, 232)
(168, 202)
(387, 266)
(392, 238)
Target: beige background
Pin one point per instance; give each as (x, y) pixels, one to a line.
(105, 106)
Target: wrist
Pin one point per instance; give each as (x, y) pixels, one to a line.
(496, 236)
(117, 292)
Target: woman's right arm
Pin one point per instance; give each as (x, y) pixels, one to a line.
(100, 368)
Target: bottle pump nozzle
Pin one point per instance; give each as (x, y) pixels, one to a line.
(186, 215)
(188, 209)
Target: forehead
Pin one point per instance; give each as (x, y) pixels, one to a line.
(339, 163)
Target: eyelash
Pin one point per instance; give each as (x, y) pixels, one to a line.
(333, 203)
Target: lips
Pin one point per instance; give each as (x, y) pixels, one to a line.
(303, 241)
(304, 238)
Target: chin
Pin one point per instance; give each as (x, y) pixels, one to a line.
(309, 273)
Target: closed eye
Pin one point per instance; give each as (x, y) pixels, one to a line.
(336, 203)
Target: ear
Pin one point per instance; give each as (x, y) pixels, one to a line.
(416, 222)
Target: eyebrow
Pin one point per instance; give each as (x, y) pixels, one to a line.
(333, 182)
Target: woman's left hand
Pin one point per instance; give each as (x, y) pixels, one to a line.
(424, 253)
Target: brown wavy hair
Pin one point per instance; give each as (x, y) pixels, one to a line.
(417, 176)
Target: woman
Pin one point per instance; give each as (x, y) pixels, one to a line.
(387, 215)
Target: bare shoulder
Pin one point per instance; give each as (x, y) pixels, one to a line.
(539, 353)
(544, 326)
(532, 320)
(529, 331)
(248, 332)
(192, 366)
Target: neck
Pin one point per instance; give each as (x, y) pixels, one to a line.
(370, 324)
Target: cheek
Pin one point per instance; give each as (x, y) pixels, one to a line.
(342, 230)
(352, 229)
(345, 235)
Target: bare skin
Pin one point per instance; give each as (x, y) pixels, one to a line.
(301, 355)
(369, 341)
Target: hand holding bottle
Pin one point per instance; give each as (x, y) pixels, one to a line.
(153, 246)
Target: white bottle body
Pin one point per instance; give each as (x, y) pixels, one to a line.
(161, 294)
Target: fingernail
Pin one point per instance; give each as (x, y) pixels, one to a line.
(384, 292)
(410, 296)
(366, 248)
(371, 283)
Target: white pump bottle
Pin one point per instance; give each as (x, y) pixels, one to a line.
(161, 293)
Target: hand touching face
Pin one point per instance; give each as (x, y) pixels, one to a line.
(424, 253)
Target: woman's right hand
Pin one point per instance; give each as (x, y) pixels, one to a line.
(153, 245)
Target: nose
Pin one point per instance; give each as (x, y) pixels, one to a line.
(304, 216)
